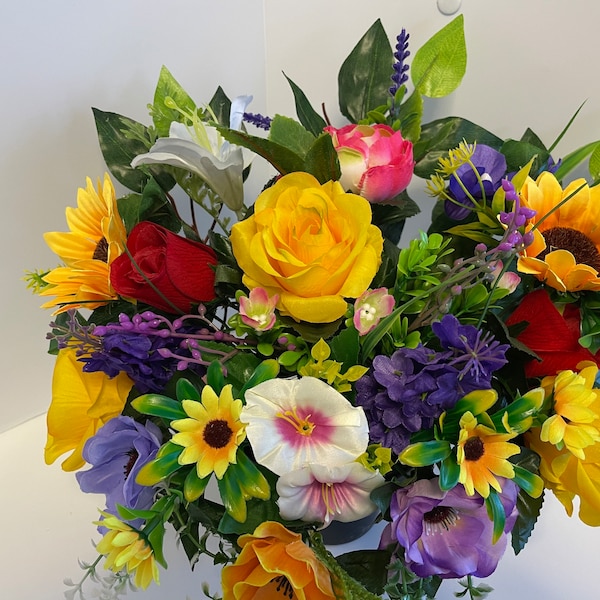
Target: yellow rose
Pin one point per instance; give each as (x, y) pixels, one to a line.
(312, 244)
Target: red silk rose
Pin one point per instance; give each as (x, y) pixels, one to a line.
(176, 271)
(376, 161)
(553, 336)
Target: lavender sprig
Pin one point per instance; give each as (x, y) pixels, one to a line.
(400, 67)
(258, 120)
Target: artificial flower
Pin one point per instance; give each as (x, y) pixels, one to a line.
(212, 433)
(370, 308)
(200, 149)
(565, 253)
(312, 244)
(448, 534)
(165, 270)
(482, 456)
(322, 493)
(292, 422)
(576, 410)
(275, 563)
(476, 179)
(81, 404)
(127, 549)
(551, 334)
(376, 161)
(95, 239)
(117, 452)
(507, 280)
(570, 477)
(258, 310)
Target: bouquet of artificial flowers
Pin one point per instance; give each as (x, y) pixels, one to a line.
(288, 366)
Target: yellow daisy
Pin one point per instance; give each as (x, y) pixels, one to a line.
(126, 548)
(565, 253)
(481, 455)
(212, 433)
(95, 238)
(576, 410)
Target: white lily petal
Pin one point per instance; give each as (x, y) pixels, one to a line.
(238, 108)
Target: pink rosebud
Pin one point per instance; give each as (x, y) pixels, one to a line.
(258, 310)
(376, 161)
(507, 281)
(370, 308)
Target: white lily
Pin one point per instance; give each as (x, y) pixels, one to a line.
(200, 149)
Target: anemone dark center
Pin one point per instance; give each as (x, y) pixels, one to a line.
(473, 448)
(133, 456)
(576, 242)
(101, 251)
(440, 517)
(217, 433)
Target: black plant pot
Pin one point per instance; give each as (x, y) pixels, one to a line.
(343, 533)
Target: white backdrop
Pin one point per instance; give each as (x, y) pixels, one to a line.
(529, 64)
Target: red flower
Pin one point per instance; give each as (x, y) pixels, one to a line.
(168, 272)
(553, 336)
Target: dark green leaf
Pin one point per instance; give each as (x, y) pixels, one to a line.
(321, 160)
(411, 114)
(529, 510)
(364, 77)
(156, 405)
(220, 104)
(519, 153)
(119, 150)
(368, 567)
(282, 158)
(258, 512)
(186, 390)
(306, 113)
(441, 135)
(390, 218)
(215, 377)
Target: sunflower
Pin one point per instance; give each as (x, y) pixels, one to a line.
(212, 433)
(565, 253)
(95, 238)
(126, 547)
(482, 455)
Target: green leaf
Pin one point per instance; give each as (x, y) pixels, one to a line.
(423, 454)
(573, 159)
(345, 347)
(321, 160)
(449, 473)
(158, 469)
(119, 150)
(267, 369)
(441, 135)
(368, 567)
(496, 512)
(220, 105)
(156, 405)
(529, 510)
(168, 89)
(306, 113)
(194, 486)
(594, 165)
(290, 134)
(215, 377)
(364, 77)
(186, 390)
(411, 114)
(440, 64)
(282, 158)
(519, 153)
(390, 218)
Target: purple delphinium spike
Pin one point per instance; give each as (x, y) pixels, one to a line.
(400, 67)
(258, 120)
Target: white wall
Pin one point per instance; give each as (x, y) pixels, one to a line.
(531, 63)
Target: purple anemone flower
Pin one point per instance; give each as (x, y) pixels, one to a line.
(448, 534)
(117, 452)
(491, 166)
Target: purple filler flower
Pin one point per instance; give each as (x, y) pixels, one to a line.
(117, 452)
(448, 534)
(491, 167)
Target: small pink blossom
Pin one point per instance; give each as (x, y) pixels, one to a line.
(258, 310)
(321, 493)
(376, 161)
(508, 280)
(370, 308)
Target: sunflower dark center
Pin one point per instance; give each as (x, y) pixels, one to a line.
(473, 448)
(133, 456)
(576, 242)
(440, 517)
(101, 251)
(217, 433)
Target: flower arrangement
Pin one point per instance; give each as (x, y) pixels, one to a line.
(288, 366)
